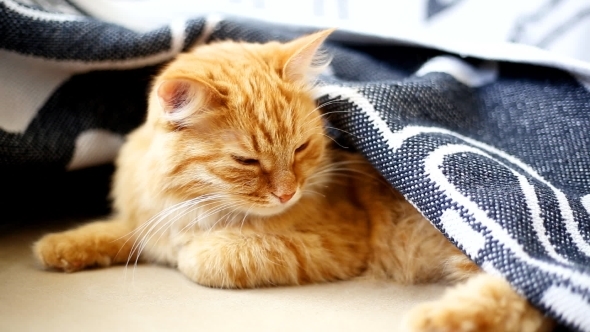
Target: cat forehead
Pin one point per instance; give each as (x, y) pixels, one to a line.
(270, 112)
(278, 120)
(269, 136)
(268, 139)
(229, 56)
(265, 110)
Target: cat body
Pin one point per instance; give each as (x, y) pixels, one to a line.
(233, 180)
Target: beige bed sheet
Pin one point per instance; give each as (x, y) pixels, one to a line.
(156, 298)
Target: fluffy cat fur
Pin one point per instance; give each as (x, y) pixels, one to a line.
(232, 179)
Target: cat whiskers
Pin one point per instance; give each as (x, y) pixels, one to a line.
(321, 115)
(188, 206)
(305, 191)
(220, 219)
(162, 221)
(328, 113)
(329, 102)
(344, 131)
(339, 169)
(137, 232)
(231, 215)
(207, 214)
(335, 141)
(195, 222)
(245, 216)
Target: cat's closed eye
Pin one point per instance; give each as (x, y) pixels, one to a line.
(245, 160)
(302, 147)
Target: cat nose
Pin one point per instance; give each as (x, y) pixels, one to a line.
(284, 197)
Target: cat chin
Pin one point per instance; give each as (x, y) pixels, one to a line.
(267, 211)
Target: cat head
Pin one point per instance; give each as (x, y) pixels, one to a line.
(238, 122)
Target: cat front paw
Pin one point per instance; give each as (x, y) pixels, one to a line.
(67, 252)
(235, 260)
(438, 317)
(484, 303)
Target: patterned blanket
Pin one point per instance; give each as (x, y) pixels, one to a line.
(495, 154)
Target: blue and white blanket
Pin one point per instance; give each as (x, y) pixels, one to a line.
(493, 148)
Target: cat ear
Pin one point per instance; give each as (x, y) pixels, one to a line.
(180, 98)
(306, 60)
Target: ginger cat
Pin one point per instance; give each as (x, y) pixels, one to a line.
(232, 179)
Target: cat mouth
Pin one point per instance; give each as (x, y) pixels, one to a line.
(275, 205)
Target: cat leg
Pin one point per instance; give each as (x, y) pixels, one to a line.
(100, 243)
(483, 303)
(234, 259)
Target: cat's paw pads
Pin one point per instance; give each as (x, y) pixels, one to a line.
(437, 317)
(63, 252)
